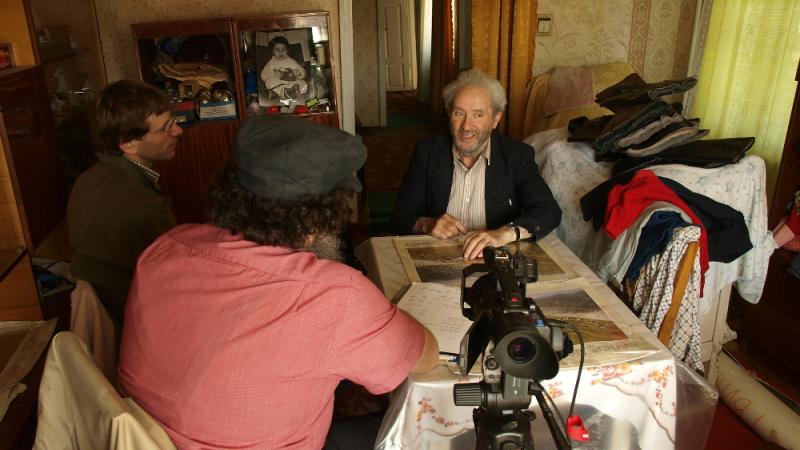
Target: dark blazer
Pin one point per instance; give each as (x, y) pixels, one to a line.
(114, 212)
(514, 189)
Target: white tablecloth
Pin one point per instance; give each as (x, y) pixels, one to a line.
(630, 403)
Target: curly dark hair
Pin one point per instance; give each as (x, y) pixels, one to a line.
(286, 223)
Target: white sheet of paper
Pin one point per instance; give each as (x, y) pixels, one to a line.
(438, 307)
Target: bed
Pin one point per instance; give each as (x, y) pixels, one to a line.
(571, 171)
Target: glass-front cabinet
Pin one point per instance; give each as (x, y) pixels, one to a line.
(191, 61)
(230, 68)
(219, 71)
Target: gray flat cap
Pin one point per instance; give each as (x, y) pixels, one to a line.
(284, 157)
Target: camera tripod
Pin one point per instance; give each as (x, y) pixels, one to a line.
(497, 430)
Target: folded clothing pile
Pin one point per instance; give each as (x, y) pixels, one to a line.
(646, 130)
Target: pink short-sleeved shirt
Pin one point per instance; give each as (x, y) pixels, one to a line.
(229, 344)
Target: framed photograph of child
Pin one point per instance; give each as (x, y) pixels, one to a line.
(283, 60)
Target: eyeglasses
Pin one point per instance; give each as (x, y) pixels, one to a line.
(167, 126)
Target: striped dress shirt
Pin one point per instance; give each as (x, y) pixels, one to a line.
(468, 192)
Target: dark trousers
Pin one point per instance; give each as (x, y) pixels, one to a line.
(354, 433)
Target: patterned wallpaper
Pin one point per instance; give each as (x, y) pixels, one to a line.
(115, 17)
(653, 36)
(365, 55)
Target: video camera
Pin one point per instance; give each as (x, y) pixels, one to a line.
(525, 346)
(520, 349)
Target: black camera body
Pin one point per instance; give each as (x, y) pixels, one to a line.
(520, 348)
(524, 345)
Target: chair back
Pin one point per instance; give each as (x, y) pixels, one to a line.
(80, 409)
(90, 321)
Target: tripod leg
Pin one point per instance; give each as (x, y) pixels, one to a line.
(504, 432)
(555, 430)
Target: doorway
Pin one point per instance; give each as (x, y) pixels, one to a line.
(404, 60)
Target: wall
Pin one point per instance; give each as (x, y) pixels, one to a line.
(14, 29)
(115, 17)
(653, 36)
(365, 55)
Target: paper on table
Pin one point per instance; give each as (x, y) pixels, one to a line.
(438, 307)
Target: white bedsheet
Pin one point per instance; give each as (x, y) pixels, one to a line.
(570, 170)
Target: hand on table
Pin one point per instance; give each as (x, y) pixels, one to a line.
(475, 241)
(442, 227)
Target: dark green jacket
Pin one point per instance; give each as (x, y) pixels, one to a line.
(114, 212)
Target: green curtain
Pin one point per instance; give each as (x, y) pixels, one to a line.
(746, 81)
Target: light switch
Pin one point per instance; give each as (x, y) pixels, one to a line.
(545, 25)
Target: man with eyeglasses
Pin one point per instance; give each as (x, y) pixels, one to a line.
(116, 208)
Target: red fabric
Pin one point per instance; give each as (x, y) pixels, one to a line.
(627, 201)
(793, 221)
(229, 344)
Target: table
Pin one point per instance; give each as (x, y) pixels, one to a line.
(628, 399)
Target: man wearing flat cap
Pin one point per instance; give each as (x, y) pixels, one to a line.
(237, 332)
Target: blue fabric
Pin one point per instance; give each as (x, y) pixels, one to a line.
(654, 238)
(794, 267)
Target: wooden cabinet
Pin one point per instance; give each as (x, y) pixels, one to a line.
(27, 134)
(66, 44)
(196, 61)
(40, 105)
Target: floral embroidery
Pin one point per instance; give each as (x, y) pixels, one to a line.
(617, 373)
(613, 371)
(554, 391)
(425, 408)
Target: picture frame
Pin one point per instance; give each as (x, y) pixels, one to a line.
(291, 81)
(6, 55)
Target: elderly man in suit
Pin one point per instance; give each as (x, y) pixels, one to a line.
(475, 182)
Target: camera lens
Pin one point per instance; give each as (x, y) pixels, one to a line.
(521, 349)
